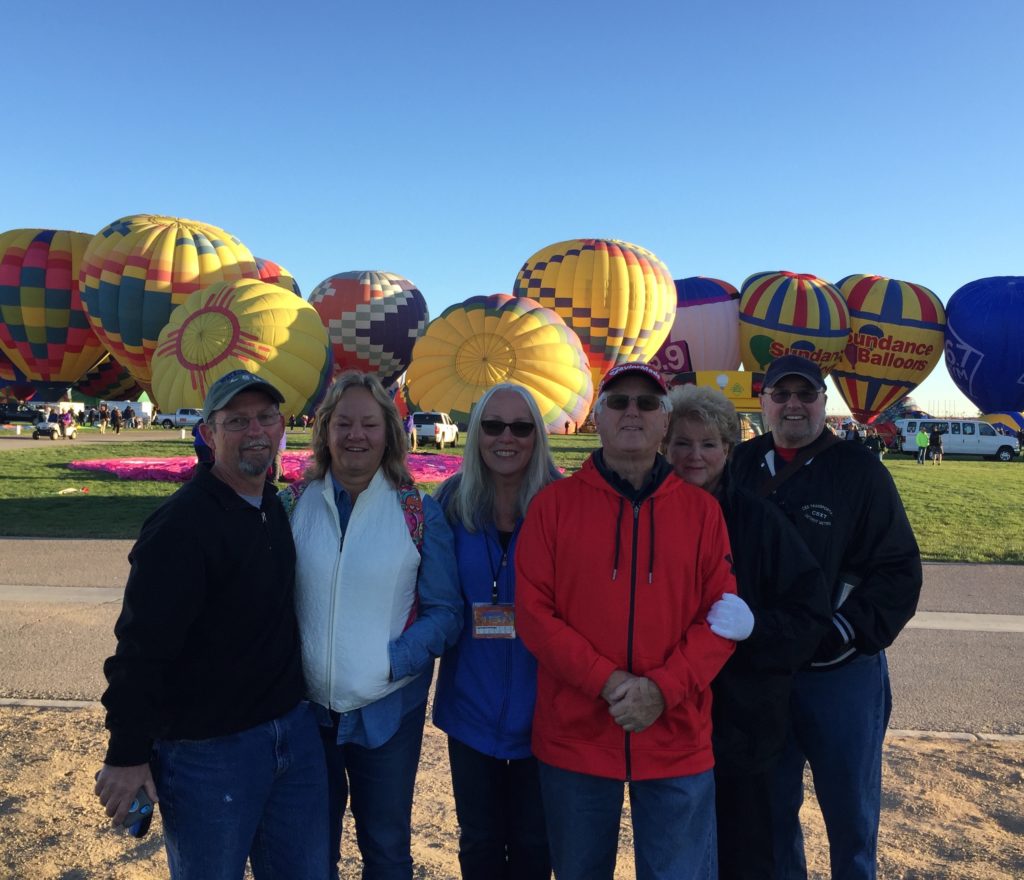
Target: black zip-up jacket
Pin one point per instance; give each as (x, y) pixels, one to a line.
(845, 506)
(786, 591)
(207, 641)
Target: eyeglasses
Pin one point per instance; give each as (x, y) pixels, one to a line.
(781, 395)
(240, 423)
(496, 427)
(644, 402)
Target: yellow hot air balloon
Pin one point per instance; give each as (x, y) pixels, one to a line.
(618, 297)
(490, 339)
(137, 269)
(242, 325)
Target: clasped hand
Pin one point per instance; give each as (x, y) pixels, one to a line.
(634, 702)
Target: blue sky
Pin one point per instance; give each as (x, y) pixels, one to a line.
(449, 141)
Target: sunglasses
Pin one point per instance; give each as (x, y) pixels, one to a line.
(781, 395)
(241, 423)
(644, 402)
(496, 427)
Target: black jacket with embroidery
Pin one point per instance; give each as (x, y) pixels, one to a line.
(207, 641)
(845, 506)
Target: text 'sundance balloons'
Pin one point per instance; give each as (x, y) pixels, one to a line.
(617, 297)
(136, 270)
(273, 273)
(108, 380)
(242, 325)
(373, 320)
(896, 338)
(705, 334)
(491, 339)
(44, 330)
(786, 313)
(984, 346)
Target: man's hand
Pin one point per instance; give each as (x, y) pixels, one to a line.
(116, 788)
(636, 704)
(617, 678)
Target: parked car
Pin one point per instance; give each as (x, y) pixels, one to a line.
(181, 418)
(437, 428)
(19, 412)
(960, 437)
(51, 430)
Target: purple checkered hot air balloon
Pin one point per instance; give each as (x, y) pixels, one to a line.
(373, 319)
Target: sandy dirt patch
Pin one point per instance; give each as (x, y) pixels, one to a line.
(951, 809)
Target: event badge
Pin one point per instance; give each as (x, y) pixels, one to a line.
(493, 621)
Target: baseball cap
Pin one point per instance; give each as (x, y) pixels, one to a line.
(793, 365)
(630, 369)
(227, 386)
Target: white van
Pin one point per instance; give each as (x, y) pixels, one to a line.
(960, 437)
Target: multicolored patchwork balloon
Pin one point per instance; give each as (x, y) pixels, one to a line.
(44, 330)
(500, 338)
(13, 383)
(617, 297)
(984, 350)
(139, 268)
(896, 339)
(274, 273)
(108, 380)
(705, 334)
(786, 313)
(242, 325)
(373, 320)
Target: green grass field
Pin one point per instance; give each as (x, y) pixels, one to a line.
(962, 511)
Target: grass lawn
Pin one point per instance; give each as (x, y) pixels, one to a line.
(961, 511)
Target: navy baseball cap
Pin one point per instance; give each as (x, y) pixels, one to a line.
(226, 387)
(793, 365)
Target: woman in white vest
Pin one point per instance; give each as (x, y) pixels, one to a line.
(378, 600)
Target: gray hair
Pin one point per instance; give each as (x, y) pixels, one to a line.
(395, 468)
(708, 406)
(472, 490)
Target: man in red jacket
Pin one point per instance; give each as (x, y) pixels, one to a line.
(617, 569)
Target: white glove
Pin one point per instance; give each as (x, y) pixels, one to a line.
(731, 618)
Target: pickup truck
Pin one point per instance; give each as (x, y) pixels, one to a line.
(437, 428)
(19, 412)
(180, 418)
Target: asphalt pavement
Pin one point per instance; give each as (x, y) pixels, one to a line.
(957, 668)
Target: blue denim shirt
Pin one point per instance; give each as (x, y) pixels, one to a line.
(436, 628)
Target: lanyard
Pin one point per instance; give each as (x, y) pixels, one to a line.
(502, 563)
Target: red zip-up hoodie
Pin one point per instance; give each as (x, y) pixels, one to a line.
(604, 583)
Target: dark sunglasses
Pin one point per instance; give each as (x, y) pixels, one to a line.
(781, 395)
(644, 402)
(496, 427)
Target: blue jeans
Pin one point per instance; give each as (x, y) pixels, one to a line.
(380, 784)
(260, 794)
(838, 722)
(501, 816)
(673, 825)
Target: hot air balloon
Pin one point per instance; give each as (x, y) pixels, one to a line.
(247, 325)
(705, 334)
(13, 382)
(273, 273)
(785, 313)
(44, 330)
(1005, 422)
(984, 354)
(108, 380)
(137, 269)
(618, 297)
(373, 320)
(500, 338)
(896, 337)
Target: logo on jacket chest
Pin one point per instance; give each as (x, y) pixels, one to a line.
(817, 514)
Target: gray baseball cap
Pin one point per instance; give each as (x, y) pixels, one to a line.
(226, 387)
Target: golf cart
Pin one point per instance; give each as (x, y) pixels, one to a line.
(51, 430)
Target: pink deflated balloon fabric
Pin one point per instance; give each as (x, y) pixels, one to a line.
(424, 468)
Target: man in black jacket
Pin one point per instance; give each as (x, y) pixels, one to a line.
(205, 691)
(845, 506)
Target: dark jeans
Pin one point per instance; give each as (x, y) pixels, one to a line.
(380, 784)
(743, 804)
(501, 816)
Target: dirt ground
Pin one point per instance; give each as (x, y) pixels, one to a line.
(951, 809)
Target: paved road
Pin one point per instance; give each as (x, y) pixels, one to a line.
(957, 668)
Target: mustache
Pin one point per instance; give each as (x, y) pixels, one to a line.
(254, 444)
